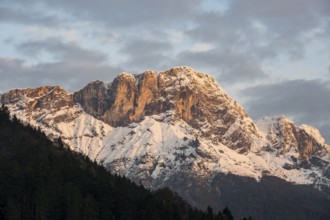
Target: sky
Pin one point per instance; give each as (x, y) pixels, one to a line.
(273, 57)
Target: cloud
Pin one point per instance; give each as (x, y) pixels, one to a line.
(72, 76)
(241, 43)
(253, 35)
(29, 18)
(119, 13)
(262, 29)
(145, 54)
(12, 73)
(289, 17)
(72, 68)
(15, 73)
(68, 51)
(204, 47)
(305, 101)
(232, 67)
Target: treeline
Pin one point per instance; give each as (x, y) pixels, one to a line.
(40, 179)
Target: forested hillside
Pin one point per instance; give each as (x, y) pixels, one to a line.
(44, 180)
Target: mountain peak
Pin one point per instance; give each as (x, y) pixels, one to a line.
(185, 93)
(41, 97)
(181, 94)
(126, 75)
(283, 135)
(175, 128)
(314, 132)
(184, 76)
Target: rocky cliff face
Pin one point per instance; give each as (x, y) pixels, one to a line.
(121, 102)
(44, 97)
(179, 129)
(284, 136)
(189, 95)
(43, 107)
(311, 143)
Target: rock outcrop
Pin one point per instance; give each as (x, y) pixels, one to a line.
(311, 143)
(121, 102)
(284, 136)
(179, 129)
(180, 93)
(44, 97)
(189, 95)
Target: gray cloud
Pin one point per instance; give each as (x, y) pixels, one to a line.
(249, 41)
(289, 17)
(72, 76)
(232, 67)
(11, 72)
(257, 34)
(29, 18)
(73, 68)
(305, 101)
(263, 29)
(68, 51)
(146, 54)
(126, 12)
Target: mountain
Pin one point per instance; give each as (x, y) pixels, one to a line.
(43, 180)
(179, 129)
(183, 93)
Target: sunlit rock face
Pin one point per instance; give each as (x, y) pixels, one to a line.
(179, 129)
(190, 95)
(285, 137)
(44, 97)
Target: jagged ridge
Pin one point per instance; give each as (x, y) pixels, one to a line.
(191, 96)
(161, 129)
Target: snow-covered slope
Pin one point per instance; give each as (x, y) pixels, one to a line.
(191, 96)
(175, 125)
(157, 147)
